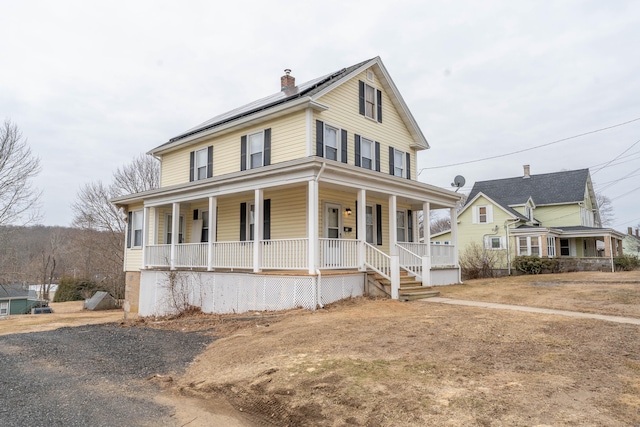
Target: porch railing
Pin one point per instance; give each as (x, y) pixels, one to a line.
(191, 255)
(420, 249)
(158, 255)
(442, 255)
(377, 260)
(410, 262)
(287, 254)
(338, 253)
(233, 254)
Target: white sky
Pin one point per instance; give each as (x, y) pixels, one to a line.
(93, 84)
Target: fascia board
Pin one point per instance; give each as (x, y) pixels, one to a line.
(258, 117)
(477, 196)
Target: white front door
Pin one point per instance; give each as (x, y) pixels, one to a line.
(332, 254)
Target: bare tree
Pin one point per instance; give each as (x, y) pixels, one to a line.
(142, 174)
(605, 207)
(440, 224)
(18, 167)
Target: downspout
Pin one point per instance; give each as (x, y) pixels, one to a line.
(506, 227)
(613, 269)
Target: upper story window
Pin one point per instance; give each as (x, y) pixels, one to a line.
(367, 153)
(201, 164)
(370, 101)
(483, 214)
(255, 150)
(399, 163)
(331, 142)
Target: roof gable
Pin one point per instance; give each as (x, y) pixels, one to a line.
(544, 189)
(311, 91)
(508, 210)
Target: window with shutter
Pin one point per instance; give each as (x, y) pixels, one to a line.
(370, 101)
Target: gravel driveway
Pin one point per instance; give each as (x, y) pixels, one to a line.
(93, 375)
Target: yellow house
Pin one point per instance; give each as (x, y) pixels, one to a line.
(287, 201)
(553, 215)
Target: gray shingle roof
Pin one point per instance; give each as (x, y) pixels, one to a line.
(544, 189)
(13, 291)
(309, 88)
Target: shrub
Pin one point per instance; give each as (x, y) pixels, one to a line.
(533, 264)
(72, 289)
(626, 263)
(477, 263)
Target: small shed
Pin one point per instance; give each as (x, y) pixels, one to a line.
(17, 299)
(100, 301)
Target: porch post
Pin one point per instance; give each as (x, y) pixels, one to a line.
(175, 232)
(312, 225)
(257, 229)
(426, 233)
(393, 225)
(454, 238)
(145, 230)
(362, 227)
(154, 227)
(213, 219)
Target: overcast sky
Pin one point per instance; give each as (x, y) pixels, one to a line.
(93, 84)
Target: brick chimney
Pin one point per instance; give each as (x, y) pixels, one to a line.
(630, 230)
(287, 81)
(527, 171)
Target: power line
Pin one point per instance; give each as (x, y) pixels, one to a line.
(530, 148)
(615, 158)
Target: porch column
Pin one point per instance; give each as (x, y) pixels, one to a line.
(544, 247)
(153, 240)
(361, 231)
(213, 223)
(426, 233)
(145, 237)
(258, 200)
(175, 232)
(454, 238)
(312, 225)
(393, 225)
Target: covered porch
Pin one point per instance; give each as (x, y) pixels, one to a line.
(306, 216)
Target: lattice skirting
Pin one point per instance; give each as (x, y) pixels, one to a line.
(164, 292)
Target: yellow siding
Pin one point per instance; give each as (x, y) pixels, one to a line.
(343, 112)
(288, 142)
(558, 216)
(133, 260)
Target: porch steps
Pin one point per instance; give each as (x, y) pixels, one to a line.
(410, 288)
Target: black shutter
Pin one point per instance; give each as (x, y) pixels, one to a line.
(379, 223)
(357, 149)
(409, 226)
(356, 219)
(243, 153)
(267, 147)
(210, 161)
(343, 140)
(129, 228)
(191, 166)
(377, 156)
(379, 107)
(391, 160)
(408, 166)
(243, 222)
(195, 214)
(266, 217)
(361, 93)
(319, 138)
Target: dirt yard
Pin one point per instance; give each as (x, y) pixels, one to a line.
(382, 362)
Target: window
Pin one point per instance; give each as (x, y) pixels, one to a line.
(169, 229)
(529, 245)
(331, 138)
(247, 220)
(483, 214)
(255, 150)
(136, 229)
(366, 153)
(551, 246)
(204, 235)
(370, 223)
(528, 212)
(401, 226)
(4, 308)
(565, 249)
(494, 242)
(370, 101)
(398, 163)
(201, 164)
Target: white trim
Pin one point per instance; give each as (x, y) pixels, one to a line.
(373, 153)
(406, 224)
(470, 203)
(168, 228)
(325, 224)
(403, 156)
(374, 117)
(196, 175)
(338, 147)
(250, 153)
(134, 213)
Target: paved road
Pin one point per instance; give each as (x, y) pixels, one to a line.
(618, 319)
(95, 375)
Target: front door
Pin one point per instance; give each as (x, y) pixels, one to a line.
(332, 254)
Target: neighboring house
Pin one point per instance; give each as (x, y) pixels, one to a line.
(15, 299)
(631, 242)
(287, 201)
(549, 215)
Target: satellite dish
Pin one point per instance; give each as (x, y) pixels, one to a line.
(458, 182)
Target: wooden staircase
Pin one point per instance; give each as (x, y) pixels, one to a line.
(410, 288)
